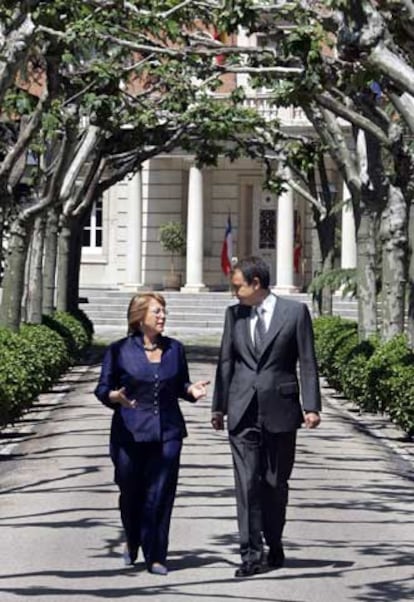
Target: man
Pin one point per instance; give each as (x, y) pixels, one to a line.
(257, 388)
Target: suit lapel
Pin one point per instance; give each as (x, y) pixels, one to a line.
(276, 323)
(244, 338)
(248, 335)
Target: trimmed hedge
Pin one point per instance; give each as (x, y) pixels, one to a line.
(72, 330)
(35, 357)
(379, 377)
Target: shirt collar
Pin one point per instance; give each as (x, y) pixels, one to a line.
(267, 304)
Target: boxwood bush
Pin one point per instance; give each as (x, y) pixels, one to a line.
(331, 333)
(354, 373)
(379, 377)
(15, 382)
(393, 354)
(50, 349)
(76, 337)
(400, 406)
(34, 358)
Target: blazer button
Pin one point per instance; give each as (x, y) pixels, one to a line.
(155, 412)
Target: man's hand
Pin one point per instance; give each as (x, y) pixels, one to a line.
(312, 420)
(217, 421)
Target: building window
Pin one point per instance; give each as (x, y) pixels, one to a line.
(267, 229)
(92, 231)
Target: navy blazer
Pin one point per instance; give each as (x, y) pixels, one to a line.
(155, 387)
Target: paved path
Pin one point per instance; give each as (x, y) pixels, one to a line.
(350, 532)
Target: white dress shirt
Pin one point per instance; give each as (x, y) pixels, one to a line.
(268, 305)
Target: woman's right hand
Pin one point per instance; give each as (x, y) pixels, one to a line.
(119, 396)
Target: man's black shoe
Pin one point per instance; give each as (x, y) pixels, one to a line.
(247, 569)
(276, 558)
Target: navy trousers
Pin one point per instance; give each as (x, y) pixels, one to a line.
(147, 474)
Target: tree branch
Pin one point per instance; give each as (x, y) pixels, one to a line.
(404, 104)
(14, 47)
(328, 102)
(89, 142)
(26, 135)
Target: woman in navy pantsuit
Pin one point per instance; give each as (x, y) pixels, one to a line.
(142, 377)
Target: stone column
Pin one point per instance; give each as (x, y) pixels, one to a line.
(134, 233)
(284, 243)
(348, 239)
(194, 254)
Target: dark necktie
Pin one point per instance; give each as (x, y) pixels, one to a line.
(259, 331)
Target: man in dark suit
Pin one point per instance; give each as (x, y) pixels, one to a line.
(257, 388)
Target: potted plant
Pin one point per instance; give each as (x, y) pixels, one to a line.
(172, 239)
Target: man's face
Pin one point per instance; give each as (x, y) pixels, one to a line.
(247, 294)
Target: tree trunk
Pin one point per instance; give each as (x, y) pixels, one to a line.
(50, 260)
(74, 264)
(13, 280)
(328, 265)
(1, 238)
(394, 234)
(35, 283)
(366, 274)
(410, 312)
(5, 202)
(62, 302)
(326, 238)
(25, 296)
(372, 202)
(69, 258)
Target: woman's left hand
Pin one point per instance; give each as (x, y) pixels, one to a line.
(198, 389)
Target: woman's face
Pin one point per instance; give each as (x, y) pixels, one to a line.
(154, 320)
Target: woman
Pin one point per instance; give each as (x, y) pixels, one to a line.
(142, 377)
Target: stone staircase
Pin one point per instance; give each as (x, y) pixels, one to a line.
(186, 312)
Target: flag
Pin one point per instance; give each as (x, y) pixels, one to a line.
(227, 249)
(222, 38)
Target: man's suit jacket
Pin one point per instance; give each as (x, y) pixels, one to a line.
(273, 375)
(155, 388)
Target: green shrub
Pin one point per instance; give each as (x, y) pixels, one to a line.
(21, 376)
(72, 331)
(386, 357)
(330, 333)
(341, 354)
(86, 322)
(34, 358)
(401, 397)
(346, 345)
(377, 376)
(49, 347)
(354, 375)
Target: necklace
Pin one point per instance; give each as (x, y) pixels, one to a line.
(151, 347)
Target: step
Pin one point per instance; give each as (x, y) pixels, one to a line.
(197, 311)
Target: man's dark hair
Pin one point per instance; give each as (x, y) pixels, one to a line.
(254, 267)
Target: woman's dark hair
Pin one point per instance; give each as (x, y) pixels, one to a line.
(254, 267)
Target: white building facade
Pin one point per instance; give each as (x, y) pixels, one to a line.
(122, 248)
(121, 244)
